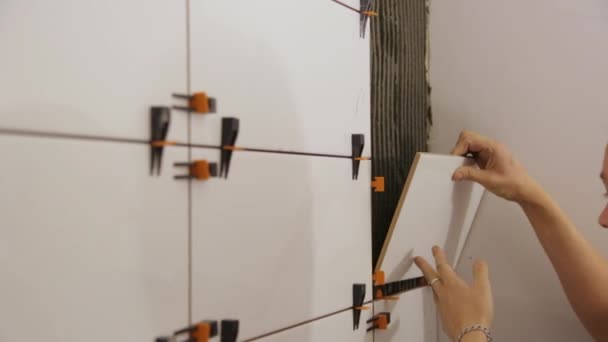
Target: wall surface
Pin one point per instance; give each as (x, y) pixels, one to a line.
(89, 239)
(400, 119)
(533, 75)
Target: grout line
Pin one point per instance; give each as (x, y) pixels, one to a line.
(347, 6)
(372, 26)
(211, 147)
(372, 302)
(189, 145)
(57, 135)
(301, 323)
(189, 123)
(310, 154)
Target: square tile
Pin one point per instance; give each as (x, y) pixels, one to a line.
(281, 241)
(87, 240)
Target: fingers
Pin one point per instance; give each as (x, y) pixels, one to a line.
(481, 275)
(443, 266)
(472, 173)
(428, 270)
(439, 255)
(470, 142)
(430, 275)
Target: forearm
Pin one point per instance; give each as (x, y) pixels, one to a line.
(581, 269)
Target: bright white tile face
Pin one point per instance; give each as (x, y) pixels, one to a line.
(296, 73)
(91, 247)
(413, 318)
(337, 328)
(91, 67)
(281, 241)
(433, 210)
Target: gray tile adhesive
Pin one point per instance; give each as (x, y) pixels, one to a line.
(400, 115)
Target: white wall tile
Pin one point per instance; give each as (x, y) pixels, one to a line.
(433, 211)
(280, 241)
(91, 67)
(413, 317)
(91, 247)
(337, 328)
(296, 73)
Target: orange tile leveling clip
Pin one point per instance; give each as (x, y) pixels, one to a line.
(378, 184)
(379, 280)
(198, 169)
(198, 102)
(380, 321)
(199, 332)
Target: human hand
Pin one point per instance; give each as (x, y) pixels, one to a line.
(460, 304)
(498, 171)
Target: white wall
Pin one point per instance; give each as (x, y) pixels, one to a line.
(534, 75)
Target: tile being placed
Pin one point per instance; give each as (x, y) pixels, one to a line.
(432, 210)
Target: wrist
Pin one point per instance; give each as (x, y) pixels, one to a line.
(474, 333)
(530, 193)
(474, 336)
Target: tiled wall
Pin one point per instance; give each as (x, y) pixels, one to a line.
(94, 248)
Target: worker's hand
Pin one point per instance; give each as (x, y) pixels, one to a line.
(498, 171)
(460, 304)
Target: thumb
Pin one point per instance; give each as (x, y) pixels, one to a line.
(472, 173)
(480, 275)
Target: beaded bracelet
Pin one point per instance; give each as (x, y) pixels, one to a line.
(476, 327)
